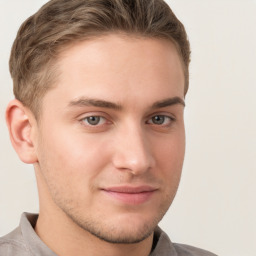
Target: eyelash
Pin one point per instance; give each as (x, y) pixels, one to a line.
(169, 122)
(102, 121)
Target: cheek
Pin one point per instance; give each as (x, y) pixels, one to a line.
(70, 148)
(170, 151)
(70, 160)
(70, 166)
(170, 156)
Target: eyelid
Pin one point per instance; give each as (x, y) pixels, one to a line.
(171, 117)
(166, 114)
(87, 121)
(95, 114)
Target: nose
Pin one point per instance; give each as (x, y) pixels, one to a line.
(133, 151)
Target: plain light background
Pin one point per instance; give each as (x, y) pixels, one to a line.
(215, 207)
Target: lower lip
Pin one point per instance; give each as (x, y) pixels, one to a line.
(131, 198)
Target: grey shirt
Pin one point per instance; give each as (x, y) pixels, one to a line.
(23, 241)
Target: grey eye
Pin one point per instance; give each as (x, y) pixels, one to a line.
(158, 119)
(93, 120)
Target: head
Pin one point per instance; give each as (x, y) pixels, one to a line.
(100, 87)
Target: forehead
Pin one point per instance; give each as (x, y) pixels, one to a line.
(121, 48)
(120, 67)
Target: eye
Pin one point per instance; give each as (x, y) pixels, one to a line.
(94, 120)
(161, 120)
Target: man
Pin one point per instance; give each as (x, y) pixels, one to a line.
(99, 98)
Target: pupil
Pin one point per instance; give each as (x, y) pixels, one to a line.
(158, 119)
(93, 120)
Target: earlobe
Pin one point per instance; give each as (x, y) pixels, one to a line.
(18, 119)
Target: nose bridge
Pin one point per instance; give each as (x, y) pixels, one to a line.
(132, 151)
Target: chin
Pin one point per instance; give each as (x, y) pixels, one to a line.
(123, 229)
(123, 234)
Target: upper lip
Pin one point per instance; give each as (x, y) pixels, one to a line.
(130, 189)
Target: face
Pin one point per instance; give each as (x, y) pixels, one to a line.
(110, 141)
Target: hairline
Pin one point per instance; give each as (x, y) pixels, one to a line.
(52, 66)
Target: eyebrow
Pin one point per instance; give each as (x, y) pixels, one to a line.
(111, 105)
(168, 102)
(96, 103)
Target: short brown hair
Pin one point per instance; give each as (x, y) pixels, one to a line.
(60, 22)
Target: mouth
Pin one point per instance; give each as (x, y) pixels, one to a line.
(130, 195)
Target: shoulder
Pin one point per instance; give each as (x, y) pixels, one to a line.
(13, 244)
(164, 247)
(187, 250)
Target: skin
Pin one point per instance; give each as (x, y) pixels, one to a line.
(109, 146)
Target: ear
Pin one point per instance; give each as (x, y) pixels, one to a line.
(20, 122)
